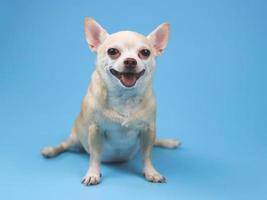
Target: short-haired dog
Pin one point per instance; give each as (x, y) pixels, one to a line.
(118, 112)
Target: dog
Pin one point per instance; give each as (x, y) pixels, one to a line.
(118, 112)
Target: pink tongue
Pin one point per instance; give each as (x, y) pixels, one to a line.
(128, 81)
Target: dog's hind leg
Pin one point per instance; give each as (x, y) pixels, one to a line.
(71, 144)
(167, 143)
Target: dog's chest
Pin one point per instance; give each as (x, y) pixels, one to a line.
(124, 104)
(120, 143)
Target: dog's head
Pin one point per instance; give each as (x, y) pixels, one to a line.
(126, 59)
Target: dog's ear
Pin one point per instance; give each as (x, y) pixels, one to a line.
(159, 38)
(94, 33)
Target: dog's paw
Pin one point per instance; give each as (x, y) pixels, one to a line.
(155, 177)
(48, 152)
(91, 179)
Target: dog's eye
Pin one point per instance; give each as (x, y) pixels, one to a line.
(144, 53)
(113, 53)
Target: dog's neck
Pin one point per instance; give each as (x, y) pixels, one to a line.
(125, 101)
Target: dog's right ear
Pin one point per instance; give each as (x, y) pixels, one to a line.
(94, 33)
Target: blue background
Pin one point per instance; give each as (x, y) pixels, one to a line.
(210, 86)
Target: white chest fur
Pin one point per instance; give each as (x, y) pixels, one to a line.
(125, 103)
(120, 142)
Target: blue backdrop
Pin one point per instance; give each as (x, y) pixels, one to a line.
(210, 86)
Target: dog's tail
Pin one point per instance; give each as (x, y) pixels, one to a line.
(168, 143)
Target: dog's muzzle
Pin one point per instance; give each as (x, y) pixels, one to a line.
(127, 78)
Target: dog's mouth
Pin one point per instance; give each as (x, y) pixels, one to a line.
(128, 79)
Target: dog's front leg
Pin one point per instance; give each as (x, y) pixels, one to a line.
(93, 174)
(147, 141)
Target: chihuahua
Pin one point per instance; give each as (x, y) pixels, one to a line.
(118, 112)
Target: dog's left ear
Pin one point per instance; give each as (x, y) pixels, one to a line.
(94, 33)
(159, 38)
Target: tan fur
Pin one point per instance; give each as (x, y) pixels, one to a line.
(113, 117)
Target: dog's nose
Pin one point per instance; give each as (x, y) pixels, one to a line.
(130, 63)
